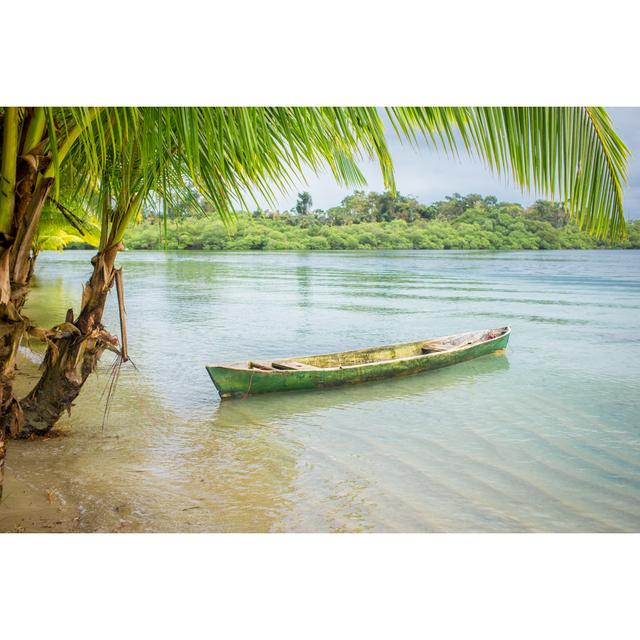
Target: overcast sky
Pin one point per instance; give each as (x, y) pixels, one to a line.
(430, 175)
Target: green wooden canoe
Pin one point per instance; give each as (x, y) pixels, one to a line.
(347, 367)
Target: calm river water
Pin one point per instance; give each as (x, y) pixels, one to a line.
(543, 438)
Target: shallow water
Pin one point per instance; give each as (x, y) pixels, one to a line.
(543, 438)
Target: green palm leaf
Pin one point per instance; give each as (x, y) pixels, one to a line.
(237, 155)
(569, 153)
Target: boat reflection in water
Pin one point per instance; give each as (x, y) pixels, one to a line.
(274, 408)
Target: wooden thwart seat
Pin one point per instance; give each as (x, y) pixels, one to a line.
(435, 348)
(263, 366)
(292, 365)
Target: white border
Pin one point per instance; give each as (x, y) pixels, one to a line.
(329, 586)
(347, 52)
(551, 52)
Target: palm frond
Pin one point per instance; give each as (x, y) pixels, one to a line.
(61, 225)
(569, 153)
(228, 154)
(234, 156)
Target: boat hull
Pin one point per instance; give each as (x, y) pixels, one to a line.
(232, 380)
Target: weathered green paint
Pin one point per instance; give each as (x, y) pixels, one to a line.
(362, 365)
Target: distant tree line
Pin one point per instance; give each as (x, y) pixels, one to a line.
(380, 221)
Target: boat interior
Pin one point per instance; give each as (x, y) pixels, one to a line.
(379, 354)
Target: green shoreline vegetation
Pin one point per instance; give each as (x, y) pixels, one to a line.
(378, 221)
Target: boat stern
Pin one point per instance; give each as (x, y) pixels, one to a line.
(229, 381)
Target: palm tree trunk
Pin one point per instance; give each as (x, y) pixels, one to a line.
(10, 415)
(74, 354)
(16, 268)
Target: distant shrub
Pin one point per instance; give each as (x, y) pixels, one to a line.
(376, 221)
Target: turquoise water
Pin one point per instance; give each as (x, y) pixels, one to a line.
(543, 438)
